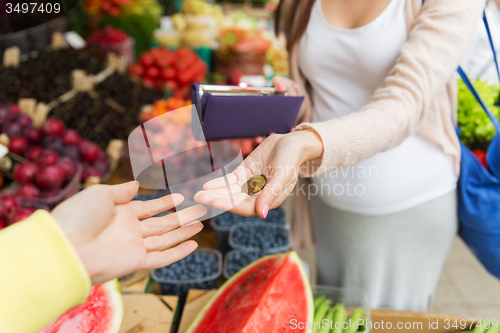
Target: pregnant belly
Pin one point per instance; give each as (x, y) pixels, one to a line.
(412, 173)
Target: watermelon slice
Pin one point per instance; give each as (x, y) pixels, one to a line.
(265, 296)
(101, 313)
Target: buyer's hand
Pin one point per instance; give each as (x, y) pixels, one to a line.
(115, 236)
(279, 158)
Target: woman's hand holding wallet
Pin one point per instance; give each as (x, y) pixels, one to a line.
(279, 158)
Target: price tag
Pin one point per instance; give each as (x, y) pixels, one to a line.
(75, 40)
(3, 150)
(12, 57)
(27, 106)
(117, 62)
(58, 41)
(81, 81)
(40, 115)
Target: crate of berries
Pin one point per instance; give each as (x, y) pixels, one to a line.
(235, 260)
(223, 222)
(199, 270)
(264, 236)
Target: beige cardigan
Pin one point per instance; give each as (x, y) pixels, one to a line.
(418, 96)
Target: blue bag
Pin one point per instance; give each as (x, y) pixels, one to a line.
(479, 189)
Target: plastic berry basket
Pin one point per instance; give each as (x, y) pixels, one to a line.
(180, 286)
(258, 230)
(245, 257)
(222, 224)
(70, 189)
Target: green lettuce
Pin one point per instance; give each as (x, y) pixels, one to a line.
(475, 124)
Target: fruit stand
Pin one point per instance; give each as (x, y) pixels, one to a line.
(67, 108)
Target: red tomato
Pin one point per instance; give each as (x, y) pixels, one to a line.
(481, 156)
(152, 72)
(162, 61)
(159, 83)
(168, 73)
(136, 70)
(186, 77)
(147, 59)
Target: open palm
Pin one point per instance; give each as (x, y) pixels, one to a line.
(115, 236)
(277, 158)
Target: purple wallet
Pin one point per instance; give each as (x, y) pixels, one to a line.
(231, 112)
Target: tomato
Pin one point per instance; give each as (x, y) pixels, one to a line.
(147, 59)
(181, 65)
(148, 82)
(186, 77)
(172, 85)
(481, 156)
(136, 70)
(152, 72)
(162, 61)
(168, 73)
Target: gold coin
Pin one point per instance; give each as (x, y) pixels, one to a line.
(254, 184)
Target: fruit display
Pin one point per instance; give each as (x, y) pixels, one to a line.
(476, 128)
(113, 7)
(241, 51)
(199, 270)
(113, 40)
(248, 300)
(481, 156)
(177, 71)
(265, 236)
(330, 317)
(47, 76)
(113, 114)
(13, 209)
(163, 106)
(223, 222)
(101, 313)
(235, 260)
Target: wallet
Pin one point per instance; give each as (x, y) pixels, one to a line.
(232, 112)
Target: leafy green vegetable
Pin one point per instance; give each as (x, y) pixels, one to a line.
(475, 124)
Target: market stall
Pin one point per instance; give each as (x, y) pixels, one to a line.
(71, 92)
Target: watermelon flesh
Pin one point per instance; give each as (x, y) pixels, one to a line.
(263, 297)
(101, 313)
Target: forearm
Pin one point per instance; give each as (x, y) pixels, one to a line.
(41, 275)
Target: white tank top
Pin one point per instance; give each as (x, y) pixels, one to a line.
(344, 67)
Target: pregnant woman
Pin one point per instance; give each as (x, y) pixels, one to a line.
(376, 138)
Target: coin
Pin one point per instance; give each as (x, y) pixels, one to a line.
(254, 184)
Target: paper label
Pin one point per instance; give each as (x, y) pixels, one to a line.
(75, 40)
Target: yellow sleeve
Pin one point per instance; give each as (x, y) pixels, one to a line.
(41, 275)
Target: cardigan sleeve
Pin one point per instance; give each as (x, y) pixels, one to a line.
(441, 33)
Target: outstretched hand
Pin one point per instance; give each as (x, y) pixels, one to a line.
(279, 158)
(115, 236)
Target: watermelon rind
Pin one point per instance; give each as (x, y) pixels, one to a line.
(113, 289)
(293, 255)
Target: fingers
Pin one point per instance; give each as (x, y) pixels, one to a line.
(285, 85)
(170, 239)
(245, 207)
(160, 225)
(123, 193)
(158, 259)
(275, 188)
(145, 209)
(206, 197)
(220, 182)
